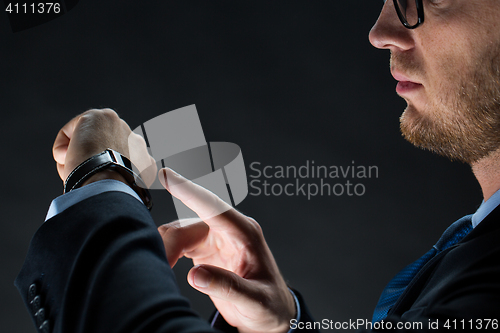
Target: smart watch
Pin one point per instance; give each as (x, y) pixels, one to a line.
(108, 159)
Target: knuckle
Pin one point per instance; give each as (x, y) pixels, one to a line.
(170, 233)
(254, 224)
(265, 299)
(109, 112)
(124, 124)
(214, 206)
(173, 228)
(100, 114)
(138, 140)
(229, 288)
(111, 116)
(89, 114)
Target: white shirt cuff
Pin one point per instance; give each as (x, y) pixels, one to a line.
(297, 306)
(63, 202)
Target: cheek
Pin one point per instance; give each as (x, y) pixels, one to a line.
(450, 45)
(446, 63)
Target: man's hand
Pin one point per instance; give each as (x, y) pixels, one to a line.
(234, 265)
(93, 131)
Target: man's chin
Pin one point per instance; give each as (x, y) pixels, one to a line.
(411, 123)
(425, 133)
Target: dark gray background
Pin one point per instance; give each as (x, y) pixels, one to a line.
(288, 81)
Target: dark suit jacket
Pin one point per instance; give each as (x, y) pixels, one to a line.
(462, 282)
(100, 266)
(457, 290)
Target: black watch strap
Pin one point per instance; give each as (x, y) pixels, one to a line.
(115, 161)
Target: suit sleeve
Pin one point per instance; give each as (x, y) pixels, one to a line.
(100, 266)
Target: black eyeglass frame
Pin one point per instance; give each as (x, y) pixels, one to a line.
(420, 12)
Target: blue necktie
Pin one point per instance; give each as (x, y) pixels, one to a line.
(454, 234)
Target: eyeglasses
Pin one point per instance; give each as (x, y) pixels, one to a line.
(410, 12)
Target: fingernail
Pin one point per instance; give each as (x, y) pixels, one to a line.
(202, 278)
(165, 182)
(170, 176)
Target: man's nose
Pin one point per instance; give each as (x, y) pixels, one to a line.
(389, 33)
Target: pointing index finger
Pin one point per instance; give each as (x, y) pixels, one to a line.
(202, 201)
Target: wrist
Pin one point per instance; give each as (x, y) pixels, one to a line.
(109, 164)
(105, 174)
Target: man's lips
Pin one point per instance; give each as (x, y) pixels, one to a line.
(405, 84)
(405, 87)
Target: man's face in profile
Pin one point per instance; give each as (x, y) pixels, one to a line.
(449, 73)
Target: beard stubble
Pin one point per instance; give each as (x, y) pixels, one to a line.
(463, 123)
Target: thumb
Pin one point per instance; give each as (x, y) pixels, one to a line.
(223, 284)
(61, 144)
(62, 140)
